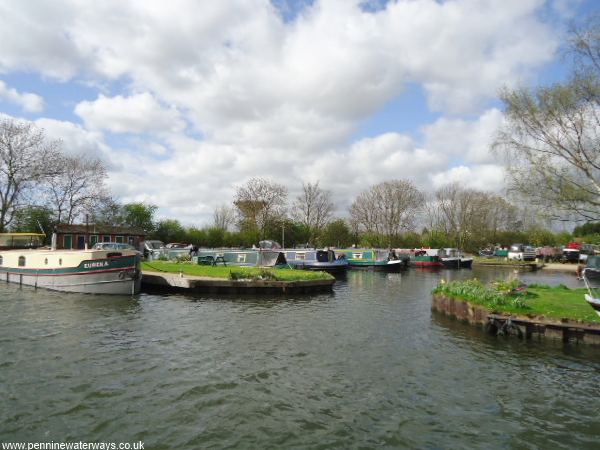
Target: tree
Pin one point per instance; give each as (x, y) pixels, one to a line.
(223, 217)
(169, 230)
(313, 208)
(336, 234)
(552, 135)
(387, 208)
(26, 159)
(107, 212)
(258, 202)
(470, 218)
(139, 215)
(33, 219)
(77, 188)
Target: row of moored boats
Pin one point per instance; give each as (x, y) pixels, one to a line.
(338, 260)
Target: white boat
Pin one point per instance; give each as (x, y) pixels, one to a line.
(93, 271)
(590, 297)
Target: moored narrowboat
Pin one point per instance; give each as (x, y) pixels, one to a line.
(373, 259)
(311, 259)
(453, 258)
(422, 258)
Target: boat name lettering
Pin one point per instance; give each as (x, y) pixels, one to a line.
(94, 265)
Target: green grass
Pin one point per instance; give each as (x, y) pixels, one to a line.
(234, 272)
(537, 300)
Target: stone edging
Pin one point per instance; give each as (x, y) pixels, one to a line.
(538, 327)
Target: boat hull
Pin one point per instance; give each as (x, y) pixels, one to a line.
(384, 266)
(457, 263)
(332, 267)
(100, 283)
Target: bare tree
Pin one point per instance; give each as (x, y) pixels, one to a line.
(468, 214)
(552, 135)
(258, 202)
(26, 158)
(78, 188)
(313, 207)
(387, 208)
(223, 217)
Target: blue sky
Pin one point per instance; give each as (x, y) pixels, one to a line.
(201, 98)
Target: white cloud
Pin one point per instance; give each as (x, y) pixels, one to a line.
(485, 177)
(265, 97)
(139, 113)
(26, 100)
(469, 140)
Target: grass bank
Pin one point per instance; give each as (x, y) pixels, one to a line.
(234, 272)
(532, 301)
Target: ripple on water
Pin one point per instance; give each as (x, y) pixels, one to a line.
(369, 366)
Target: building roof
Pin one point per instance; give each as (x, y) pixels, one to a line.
(98, 229)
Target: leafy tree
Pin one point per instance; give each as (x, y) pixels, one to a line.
(336, 233)
(26, 159)
(552, 135)
(587, 228)
(33, 219)
(215, 237)
(196, 236)
(139, 215)
(169, 230)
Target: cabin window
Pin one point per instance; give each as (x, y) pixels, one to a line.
(60, 262)
(301, 256)
(46, 261)
(130, 240)
(93, 239)
(0, 260)
(21, 261)
(67, 241)
(356, 255)
(119, 239)
(106, 238)
(241, 258)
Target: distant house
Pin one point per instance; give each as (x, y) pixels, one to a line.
(76, 236)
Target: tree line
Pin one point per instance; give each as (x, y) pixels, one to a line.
(41, 186)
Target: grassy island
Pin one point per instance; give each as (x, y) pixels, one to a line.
(496, 261)
(234, 272)
(511, 297)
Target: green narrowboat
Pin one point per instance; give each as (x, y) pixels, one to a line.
(372, 259)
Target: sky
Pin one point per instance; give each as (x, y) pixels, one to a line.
(184, 101)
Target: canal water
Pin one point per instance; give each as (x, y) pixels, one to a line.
(367, 366)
